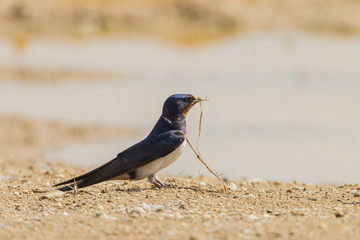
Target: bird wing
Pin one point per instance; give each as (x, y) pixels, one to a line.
(138, 155)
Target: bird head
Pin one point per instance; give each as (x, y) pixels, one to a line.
(178, 105)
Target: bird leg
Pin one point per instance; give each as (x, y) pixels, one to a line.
(154, 179)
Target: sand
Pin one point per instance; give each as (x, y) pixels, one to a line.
(189, 208)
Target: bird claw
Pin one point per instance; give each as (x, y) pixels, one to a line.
(153, 178)
(159, 184)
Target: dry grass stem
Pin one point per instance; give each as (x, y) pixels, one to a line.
(197, 152)
(200, 122)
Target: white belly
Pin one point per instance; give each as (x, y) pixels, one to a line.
(157, 165)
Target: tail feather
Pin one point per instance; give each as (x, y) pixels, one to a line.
(90, 180)
(84, 176)
(66, 188)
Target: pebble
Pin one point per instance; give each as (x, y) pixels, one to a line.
(5, 177)
(253, 217)
(146, 207)
(65, 214)
(202, 184)
(98, 214)
(16, 193)
(157, 208)
(249, 195)
(233, 187)
(138, 210)
(298, 211)
(339, 214)
(53, 194)
(109, 217)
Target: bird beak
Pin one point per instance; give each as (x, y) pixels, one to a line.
(199, 100)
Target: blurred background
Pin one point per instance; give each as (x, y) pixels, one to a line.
(80, 81)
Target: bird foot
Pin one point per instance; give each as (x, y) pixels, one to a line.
(153, 178)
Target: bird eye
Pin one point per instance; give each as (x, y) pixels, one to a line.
(187, 99)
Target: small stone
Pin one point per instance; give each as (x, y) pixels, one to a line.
(109, 217)
(298, 211)
(65, 214)
(146, 207)
(98, 214)
(53, 194)
(339, 214)
(233, 186)
(121, 208)
(157, 208)
(253, 217)
(202, 184)
(138, 210)
(5, 177)
(206, 216)
(356, 194)
(16, 193)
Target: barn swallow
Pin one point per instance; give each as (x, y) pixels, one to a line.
(159, 149)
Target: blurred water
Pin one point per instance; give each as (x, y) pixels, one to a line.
(282, 107)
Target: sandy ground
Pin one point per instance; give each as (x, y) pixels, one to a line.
(189, 208)
(182, 21)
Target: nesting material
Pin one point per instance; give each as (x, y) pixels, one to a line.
(197, 152)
